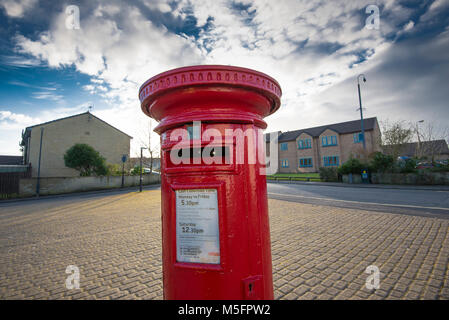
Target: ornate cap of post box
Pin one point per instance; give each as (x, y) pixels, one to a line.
(212, 93)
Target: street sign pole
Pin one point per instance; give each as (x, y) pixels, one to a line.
(123, 169)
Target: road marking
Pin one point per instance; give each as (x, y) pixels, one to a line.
(359, 202)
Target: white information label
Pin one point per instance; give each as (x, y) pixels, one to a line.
(197, 232)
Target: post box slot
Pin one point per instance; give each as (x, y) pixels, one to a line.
(208, 155)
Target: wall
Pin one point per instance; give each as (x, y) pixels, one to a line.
(356, 178)
(48, 186)
(290, 155)
(60, 135)
(423, 178)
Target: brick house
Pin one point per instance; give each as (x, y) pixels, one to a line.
(306, 150)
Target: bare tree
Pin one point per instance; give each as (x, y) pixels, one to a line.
(394, 136)
(148, 141)
(431, 139)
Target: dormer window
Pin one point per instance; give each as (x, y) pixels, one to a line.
(328, 141)
(305, 144)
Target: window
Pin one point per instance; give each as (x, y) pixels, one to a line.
(330, 161)
(358, 137)
(334, 140)
(284, 146)
(305, 163)
(284, 163)
(305, 144)
(328, 141)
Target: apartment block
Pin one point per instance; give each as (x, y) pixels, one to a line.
(306, 150)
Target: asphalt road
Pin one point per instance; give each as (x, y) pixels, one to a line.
(403, 201)
(23, 207)
(429, 203)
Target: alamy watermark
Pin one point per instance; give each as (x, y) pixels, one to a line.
(73, 280)
(231, 146)
(72, 20)
(373, 20)
(373, 280)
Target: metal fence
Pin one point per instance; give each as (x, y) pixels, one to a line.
(9, 180)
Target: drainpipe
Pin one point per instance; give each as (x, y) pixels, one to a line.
(39, 165)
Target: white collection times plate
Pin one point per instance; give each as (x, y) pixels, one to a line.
(197, 231)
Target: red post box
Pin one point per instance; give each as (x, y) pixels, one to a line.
(215, 229)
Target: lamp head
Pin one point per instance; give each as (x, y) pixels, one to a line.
(361, 76)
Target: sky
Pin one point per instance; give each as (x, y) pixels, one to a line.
(54, 65)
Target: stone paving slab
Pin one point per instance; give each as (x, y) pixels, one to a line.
(319, 252)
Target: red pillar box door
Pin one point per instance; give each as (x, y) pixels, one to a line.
(215, 230)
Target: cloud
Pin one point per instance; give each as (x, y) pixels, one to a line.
(17, 8)
(120, 46)
(27, 85)
(11, 126)
(12, 123)
(313, 48)
(409, 25)
(47, 95)
(407, 82)
(19, 61)
(12, 120)
(8, 118)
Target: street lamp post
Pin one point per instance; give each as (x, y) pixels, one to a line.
(123, 169)
(361, 109)
(141, 168)
(419, 138)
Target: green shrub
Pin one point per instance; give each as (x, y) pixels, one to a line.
(114, 169)
(328, 174)
(381, 163)
(136, 170)
(86, 160)
(351, 166)
(408, 166)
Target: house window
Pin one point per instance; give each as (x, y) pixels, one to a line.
(358, 137)
(334, 140)
(284, 163)
(305, 144)
(331, 161)
(305, 163)
(284, 146)
(328, 141)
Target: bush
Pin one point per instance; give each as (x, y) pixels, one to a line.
(329, 174)
(382, 162)
(351, 166)
(136, 170)
(86, 160)
(114, 169)
(407, 166)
